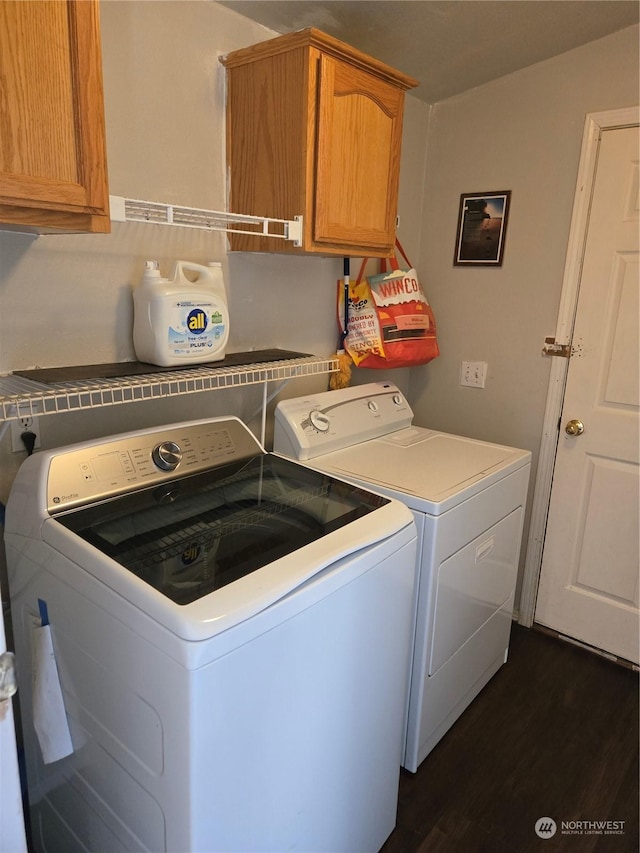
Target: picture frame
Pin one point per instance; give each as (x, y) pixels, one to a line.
(482, 226)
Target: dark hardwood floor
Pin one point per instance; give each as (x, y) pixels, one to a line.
(554, 734)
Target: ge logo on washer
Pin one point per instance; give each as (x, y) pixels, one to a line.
(546, 827)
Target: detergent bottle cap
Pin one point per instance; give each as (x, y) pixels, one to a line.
(152, 268)
(151, 273)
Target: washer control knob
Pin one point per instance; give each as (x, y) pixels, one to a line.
(167, 455)
(372, 406)
(397, 399)
(319, 420)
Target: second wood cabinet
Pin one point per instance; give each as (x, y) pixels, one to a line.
(314, 128)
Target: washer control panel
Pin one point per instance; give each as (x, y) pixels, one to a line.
(311, 426)
(88, 472)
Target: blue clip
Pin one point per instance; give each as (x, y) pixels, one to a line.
(44, 614)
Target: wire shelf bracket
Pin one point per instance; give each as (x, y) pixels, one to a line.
(159, 213)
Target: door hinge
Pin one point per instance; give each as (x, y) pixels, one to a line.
(552, 348)
(8, 683)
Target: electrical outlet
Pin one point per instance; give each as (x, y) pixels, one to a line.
(26, 423)
(473, 374)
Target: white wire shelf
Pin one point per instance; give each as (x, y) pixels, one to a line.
(22, 397)
(159, 213)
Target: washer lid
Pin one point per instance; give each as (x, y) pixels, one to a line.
(431, 471)
(206, 552)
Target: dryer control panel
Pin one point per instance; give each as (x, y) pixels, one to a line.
(306, 427)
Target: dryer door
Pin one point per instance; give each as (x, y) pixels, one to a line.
(472, 585)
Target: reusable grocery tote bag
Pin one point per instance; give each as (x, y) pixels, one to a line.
(390, 322)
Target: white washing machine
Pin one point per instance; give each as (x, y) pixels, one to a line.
(468, 500)
(230, 632)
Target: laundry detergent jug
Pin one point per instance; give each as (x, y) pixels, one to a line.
(180, 321)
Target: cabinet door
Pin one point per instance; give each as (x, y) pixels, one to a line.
(52, 151)
(358, 157)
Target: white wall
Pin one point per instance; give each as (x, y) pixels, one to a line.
(521, 133)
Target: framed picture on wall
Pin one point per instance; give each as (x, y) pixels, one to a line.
(482, 224)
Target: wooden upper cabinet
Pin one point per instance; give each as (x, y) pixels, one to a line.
(314, 128)
(53, 170)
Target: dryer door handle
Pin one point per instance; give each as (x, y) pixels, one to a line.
(484, 549)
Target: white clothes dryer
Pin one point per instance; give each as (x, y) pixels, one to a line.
(230, 631)
(468, 500)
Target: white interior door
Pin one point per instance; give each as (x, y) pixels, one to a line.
(589, 580)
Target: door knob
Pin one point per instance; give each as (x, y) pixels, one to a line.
(574, 427)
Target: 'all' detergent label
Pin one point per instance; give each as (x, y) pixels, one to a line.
(195, 328)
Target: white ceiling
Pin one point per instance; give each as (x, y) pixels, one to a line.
(450, 45)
